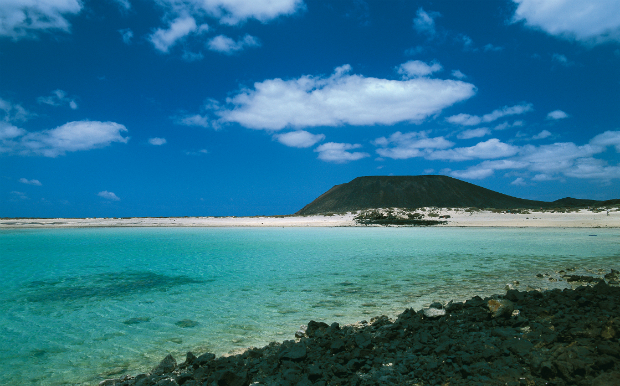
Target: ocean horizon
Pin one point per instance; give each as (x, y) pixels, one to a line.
(81, 305)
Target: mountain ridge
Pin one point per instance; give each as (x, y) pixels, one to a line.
(371, 192)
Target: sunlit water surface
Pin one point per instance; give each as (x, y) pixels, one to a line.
(81, 305)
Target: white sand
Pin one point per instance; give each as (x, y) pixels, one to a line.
(458, 218)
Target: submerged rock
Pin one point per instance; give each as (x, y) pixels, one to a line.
(187, 323)
(557, 337)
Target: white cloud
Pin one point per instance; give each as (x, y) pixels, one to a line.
(299, 138)
(338, 152)
(590, 22)
(178, 29)
(562, 59)
(126, 34)
(472, 173)
(72, 136)
(157, 141)
(14, 112)
(27, 18)
(232, 12)
(193, 120)
(424, 22)
(30, 182)
(189, 56)
(557, 114)
(458, 74)
(608, 138)
(341, 99)
(464, 119)
(417, 68)
(519, 181)
(490, 149)
(8, 131)
(491, 47)
(199, 152)
(474, 133)
(226, 45)
(108, 195)
(554, 161)
(543, 134)
(20, 195)
(409, 145)
(58, 98)
(543, 177)
(124, 4)
(414, 50)
(472, 120)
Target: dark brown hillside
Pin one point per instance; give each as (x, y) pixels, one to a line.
(416, 192)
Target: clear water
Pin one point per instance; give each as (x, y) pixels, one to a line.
(81, 305)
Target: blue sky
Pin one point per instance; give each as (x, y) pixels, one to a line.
(256, 107)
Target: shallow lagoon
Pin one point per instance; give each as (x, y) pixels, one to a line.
(80, 305)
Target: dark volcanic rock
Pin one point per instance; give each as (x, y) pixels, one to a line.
(559, 337)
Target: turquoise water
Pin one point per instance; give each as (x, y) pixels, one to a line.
(81, 305)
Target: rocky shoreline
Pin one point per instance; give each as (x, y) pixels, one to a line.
(554, 337)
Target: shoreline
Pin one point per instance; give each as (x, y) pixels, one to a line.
(530, 337)
(582, 218)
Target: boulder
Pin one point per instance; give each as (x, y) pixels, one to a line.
(433, 313)
(167, 365)
(500, 308)
(296, 352)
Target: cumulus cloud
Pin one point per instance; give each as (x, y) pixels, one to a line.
(491, 47)
(72, 136)
(458, 74)
(472, 120)
(557, 114)
(608, 138)
(340, 99)
(562, 59)
(491, 149)
(123, 4)
(226, 45)
(543, 134)
(424, 22)
(338, 152)
(126, 34)
(8, 131)
(519, 181)
(232, 12)
(30, 182)
(474, 133)
(58, 98)
(26, 19)
(181, 18)
(409, 145)
(299, 138)
(417, 68)
(178, 29)
(193, 120)
(589, 22)
(12, 112)
(157, 141)
(19, 195)
(108, 195)
(557, 160)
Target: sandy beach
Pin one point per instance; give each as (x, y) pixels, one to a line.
(583, 218)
